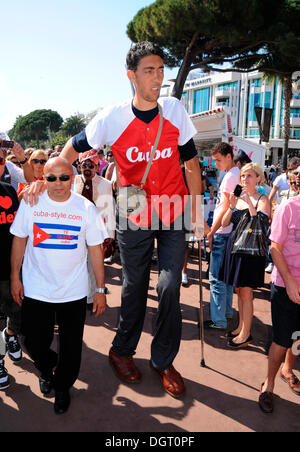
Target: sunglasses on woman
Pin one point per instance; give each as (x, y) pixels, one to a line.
(41, 161)
(62, 178)
(2, 161)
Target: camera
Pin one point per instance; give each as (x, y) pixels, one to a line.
(238, 190)
(6, 144)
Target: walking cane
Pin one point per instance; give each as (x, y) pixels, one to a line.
(201, 320)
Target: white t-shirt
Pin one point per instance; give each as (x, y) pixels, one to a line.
(16, 174)
(55, 261)
(281, 183)
(228, 184)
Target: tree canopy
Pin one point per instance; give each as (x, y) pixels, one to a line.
(210, 33)
(36, 125)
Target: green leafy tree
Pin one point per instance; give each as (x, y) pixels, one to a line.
(73, 125)
(198, 33)
(38, 125)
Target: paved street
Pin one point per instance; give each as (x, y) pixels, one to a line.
(221, 397)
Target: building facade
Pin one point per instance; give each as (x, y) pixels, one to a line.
(241, 93)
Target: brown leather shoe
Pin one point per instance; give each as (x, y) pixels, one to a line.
(171, 380)
(124, 368)
(265, 401)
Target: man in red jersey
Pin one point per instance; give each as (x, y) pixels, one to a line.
(131, 129)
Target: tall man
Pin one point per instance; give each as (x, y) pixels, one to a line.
(52, 238)
(130, 129)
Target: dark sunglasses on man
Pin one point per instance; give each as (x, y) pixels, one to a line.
(62, 178)
(87, 165)
(41, 161)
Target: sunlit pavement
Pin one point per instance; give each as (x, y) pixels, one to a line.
(221, 397)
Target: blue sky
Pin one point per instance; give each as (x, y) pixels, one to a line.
(66, 55)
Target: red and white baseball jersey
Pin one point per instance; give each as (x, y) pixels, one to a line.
(131, 141)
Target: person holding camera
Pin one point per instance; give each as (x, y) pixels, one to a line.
(12, 174)
(244, 273)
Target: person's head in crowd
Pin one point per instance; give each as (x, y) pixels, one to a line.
(59, 176)
(89, 162)
(58, 148)
(109, 157)
(222, 154)
(251, 176)
(28, 152)
(37, 161)
(293, 163)
(13, 159)
(54, 154)
(101, 154)
(241, 159)
(292, 180)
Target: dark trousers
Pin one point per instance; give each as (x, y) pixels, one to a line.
(136, 248)
(38, 320)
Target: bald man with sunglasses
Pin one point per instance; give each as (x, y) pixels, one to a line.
(51, 239)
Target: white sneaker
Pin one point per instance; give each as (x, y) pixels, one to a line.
(269, 268)
(184, 279)
(13, 347)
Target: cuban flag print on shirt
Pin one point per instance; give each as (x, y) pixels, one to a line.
(55, 236)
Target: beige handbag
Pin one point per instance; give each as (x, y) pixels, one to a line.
(132, 199)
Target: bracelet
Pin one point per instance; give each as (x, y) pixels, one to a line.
(231, 208)
(24, 161)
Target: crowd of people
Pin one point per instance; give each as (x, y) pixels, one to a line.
(69, 220)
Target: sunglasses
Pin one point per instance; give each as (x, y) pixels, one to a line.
(293, 183)
(87, 165)
(295, 173)
(36, 161)
(62, 178)
(110, 155)
(2, 161)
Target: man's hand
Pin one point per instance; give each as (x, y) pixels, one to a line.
(293, 290)
(19, 152)
(210, 237)
(17, 290)
(33, 191)
(99, 304)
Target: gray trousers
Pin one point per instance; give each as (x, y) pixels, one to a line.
(136, 248)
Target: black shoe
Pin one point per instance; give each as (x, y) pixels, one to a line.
(210, 325)
(46, 385)
(62, 401)
(240, 344)
(230, 335)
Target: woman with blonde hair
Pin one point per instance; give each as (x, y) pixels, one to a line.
(245, 273)
(37, 162)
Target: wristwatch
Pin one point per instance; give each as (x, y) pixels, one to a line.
(24, 161)
(102, 290)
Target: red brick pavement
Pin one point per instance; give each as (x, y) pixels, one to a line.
(221, 397)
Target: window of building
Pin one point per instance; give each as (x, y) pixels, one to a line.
(201, 100)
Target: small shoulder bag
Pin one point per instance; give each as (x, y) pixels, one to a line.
(132, 199)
